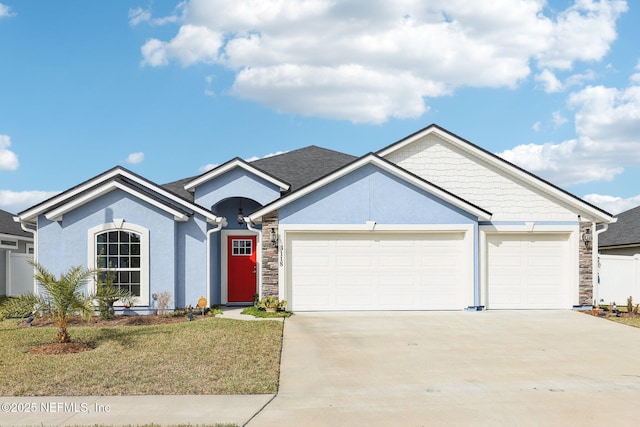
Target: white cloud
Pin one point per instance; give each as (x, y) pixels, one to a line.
(549, 81)
(607, 123)
(8, 159)
(367, 64)
(536, 126)
(558, 119)
(17, 201)
(192, 44)
(208, 167)
(254, 158)
(5, 11)
(135, 158)
(138, 15)
(612, 204)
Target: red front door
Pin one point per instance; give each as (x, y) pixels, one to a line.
(241, 268)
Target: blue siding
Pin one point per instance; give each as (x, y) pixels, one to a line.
(62, 245)
(372, 194)
(236, 183)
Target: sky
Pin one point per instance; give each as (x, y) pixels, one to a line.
(170, 89)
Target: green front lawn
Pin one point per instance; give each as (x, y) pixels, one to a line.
(208, 356)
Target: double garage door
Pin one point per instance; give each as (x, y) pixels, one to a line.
(427, 271)
(379, 271)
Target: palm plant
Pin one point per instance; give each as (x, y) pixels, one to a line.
(61, 298)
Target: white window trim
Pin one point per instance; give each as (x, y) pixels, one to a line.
(92, 256)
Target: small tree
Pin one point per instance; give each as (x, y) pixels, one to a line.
(61, 298)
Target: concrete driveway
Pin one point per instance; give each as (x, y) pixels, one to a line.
(495, 368)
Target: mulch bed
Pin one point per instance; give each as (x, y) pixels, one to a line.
(60, 348)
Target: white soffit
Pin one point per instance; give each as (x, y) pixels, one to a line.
(33, 213)
(57, 214)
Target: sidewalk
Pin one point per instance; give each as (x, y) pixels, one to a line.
(134, 410)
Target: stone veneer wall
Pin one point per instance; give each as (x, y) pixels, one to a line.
(269, 256)
(585, 261)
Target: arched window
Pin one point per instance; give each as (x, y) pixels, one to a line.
(118, 254)
(123, 253)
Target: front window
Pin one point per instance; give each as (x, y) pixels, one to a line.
(119, 255)
(122, 252)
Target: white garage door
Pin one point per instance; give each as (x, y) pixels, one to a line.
(529, 271)
(378, 271)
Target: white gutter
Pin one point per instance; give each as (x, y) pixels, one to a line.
(250, 227)
(221, 222)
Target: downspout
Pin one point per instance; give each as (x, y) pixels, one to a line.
(221, 222)
(24, 227)
(595, 261)
(250, 227)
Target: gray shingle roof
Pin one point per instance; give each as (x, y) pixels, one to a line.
(626, 231)
(303, 166)
(9, 226)
(298, 168)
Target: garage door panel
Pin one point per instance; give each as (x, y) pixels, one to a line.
(528, 271)
(381, 272)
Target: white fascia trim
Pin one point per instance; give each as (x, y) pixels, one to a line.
(231, 165)
(395, 170)
(57, 214)
(30, 215)
(596, 215)
(524, 228)
(410, 228)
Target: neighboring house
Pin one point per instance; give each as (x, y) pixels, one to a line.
(431, 222)
(16, 248)
(623, 236)
(619, 261)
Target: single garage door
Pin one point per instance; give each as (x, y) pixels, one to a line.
(378, 271)
(528, 271)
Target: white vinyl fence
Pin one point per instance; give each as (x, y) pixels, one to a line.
(619, 279)
(19, 274)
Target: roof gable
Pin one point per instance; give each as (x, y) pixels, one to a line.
(230, 165)
(515, 173)
(395, 170)
(117, 177)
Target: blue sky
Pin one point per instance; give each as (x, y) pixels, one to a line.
(170, 88)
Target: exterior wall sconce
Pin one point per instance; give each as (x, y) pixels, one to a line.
(587, 237)
(274, 237)
(240, 216)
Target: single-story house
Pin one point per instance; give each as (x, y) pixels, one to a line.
(623, 236)
(16, 248)
(430, 222)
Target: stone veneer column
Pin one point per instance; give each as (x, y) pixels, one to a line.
(269, 256)
(585, 261)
